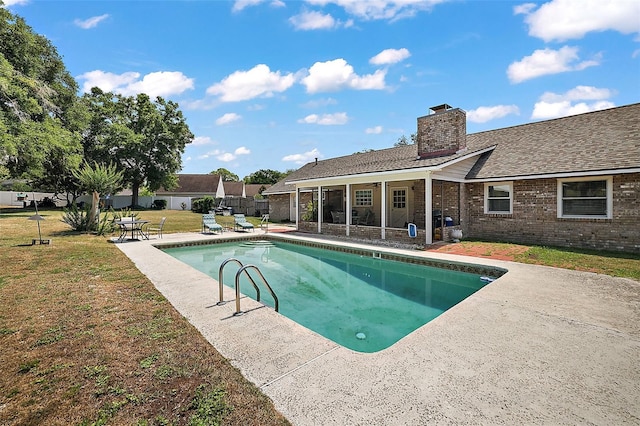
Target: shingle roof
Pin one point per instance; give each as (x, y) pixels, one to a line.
(232, 189)
(601, 140)
(194, 184)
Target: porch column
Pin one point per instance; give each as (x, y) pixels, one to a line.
(347, 213)
(319, 209)
(383, 208)
(428, 209)
(297, 208)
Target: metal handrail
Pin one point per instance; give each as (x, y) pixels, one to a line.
(220, 279)
(264, 280)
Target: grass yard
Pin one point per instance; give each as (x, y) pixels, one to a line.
(86, 339)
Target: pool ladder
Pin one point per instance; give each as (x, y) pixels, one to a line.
(243, 268)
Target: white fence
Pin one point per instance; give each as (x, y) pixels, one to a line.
(21, 199)
(240, 205)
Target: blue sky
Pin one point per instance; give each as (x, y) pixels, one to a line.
(270, 84)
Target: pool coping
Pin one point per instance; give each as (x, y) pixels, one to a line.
(539, 345)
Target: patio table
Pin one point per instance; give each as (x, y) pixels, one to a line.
(134, 227)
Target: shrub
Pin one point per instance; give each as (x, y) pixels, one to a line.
(203, 205)
(160, 204)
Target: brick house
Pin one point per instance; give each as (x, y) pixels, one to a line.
(572, 181)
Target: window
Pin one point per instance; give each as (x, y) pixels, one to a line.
(498, 197)
(364, 198)
(585, 198)
(399, 198)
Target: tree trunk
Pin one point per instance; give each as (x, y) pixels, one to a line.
(135, 188)
(95, 200)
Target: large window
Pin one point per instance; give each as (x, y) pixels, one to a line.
(498, 197)
(585, 198)
(364, 198)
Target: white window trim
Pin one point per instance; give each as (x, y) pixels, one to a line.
(355, 198)
(486, 197)
(608, 179)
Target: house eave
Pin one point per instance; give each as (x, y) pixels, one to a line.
(556, 175)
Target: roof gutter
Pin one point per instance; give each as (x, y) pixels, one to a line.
(556, 175)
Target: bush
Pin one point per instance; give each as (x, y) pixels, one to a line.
(160, 204)
(78, 220)
(203, 205)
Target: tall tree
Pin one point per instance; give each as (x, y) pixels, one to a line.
(226, 175)
(36, 95)
(144, 138)
(265, 177)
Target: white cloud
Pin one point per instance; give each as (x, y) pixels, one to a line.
(326, 119)
(312, 20)
(561, 20)
(524, 9)
(239, 5)
(390, 56)
(554, 105)
(338, 74)
(304, 157)
(9, 3)
(320, 103)
(227, 118)
(578, 93)
(486, 113)
(381, 9)
(201, 141)
(162, 83)
(373, 130)
(227, 157)
(243, 150)
(257, 82)
(548, 61)
(90, 22)
(224, 156)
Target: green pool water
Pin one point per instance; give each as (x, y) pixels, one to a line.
(363, 303)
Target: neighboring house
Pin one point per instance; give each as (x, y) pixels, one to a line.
(572, 181)
(196, 186)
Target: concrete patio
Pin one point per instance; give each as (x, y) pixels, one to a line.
(539, 345)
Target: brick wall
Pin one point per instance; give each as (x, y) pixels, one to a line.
(534, 219)
(279, 207)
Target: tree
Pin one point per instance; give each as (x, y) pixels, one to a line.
(36, 95)
(402, 140)
(226, 175)
(99, 180)
(144, 138)
(265, 177)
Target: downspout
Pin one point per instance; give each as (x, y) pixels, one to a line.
(428, 206)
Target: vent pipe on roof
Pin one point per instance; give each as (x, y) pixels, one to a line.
(316, 161)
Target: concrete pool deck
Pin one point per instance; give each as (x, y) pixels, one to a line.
(539, 345)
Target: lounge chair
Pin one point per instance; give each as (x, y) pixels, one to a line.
(241, 222)
(367, 219)
(209, 223)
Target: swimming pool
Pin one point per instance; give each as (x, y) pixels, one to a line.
(358, 300)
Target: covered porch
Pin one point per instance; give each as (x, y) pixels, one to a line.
(381, 207)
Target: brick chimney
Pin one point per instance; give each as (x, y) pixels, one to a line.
(444, 132)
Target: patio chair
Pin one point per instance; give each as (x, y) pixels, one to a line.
(241, 222)
(156, 228)
(366, 219)
(209, 223)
